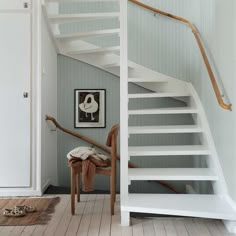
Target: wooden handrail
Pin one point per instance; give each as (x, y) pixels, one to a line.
(107, 150)
(200, 45)
(54, 121)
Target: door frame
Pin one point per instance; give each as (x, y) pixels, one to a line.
(35, 188)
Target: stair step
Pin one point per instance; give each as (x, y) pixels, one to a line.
(61, 18)
(82, 0)
(172, 174)
(157, 95)
(166, 129)
(175, 110)
(146, 80)
(96, 50)
(98, 33)
(192, 205)
(168, 150)
(116, 64)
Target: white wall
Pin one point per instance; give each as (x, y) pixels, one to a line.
(217, 25)
(49, 107)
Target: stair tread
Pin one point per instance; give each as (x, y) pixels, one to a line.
(172, 174)
(172, 110)
(82, 0)
(59, 17)
(87, 34)
(152, 95)
(193, 205)
(95, 50)
(169, 150)
(165, 129)
(144, 80)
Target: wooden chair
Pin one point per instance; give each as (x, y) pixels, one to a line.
(76, 170)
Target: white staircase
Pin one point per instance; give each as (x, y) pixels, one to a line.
(216, 205)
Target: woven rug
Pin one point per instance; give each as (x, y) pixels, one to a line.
(45, 208)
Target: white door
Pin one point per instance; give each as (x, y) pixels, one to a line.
(15, 74)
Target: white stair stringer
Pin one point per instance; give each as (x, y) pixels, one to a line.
(217, 205)
(191, 205)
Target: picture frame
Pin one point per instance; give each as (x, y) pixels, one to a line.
(89, 108)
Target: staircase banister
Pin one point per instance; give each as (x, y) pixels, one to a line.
(54, 121)
(200, 45)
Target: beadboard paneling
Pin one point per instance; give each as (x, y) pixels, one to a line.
(73, 74)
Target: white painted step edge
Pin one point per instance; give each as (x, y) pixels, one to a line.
(87, 34)
(192, 205)
(174, 110)
(168, 150)
(82, 0)
(166, 129)
(96, 50)
(157, 95)
(145, 80)
(177, 174)
(62, 18)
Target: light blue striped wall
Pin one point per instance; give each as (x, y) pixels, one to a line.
(73, 74)
(160, 44)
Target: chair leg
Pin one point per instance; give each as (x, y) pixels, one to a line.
(72, 195)
(111, 196)
(114, 186)
(78, 186)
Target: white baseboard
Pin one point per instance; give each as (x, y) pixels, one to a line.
(45, 185)
(9, 192)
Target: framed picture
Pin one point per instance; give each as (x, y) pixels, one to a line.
(90, 108)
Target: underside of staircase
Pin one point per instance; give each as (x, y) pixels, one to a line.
(216, 204)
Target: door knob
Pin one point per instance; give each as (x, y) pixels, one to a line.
(25, 94)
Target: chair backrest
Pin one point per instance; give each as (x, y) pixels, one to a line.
(112, 142)
(114, 131)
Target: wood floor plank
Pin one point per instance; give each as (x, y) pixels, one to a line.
(214, 231)
(53, 224)
(220, 225)
(117, 229)
(180, 227)
(87, 215)
(105, 228)
(159, 227)
(201, 227)
(137, 226)
(28, 230)
(64, 222)
(17, 230)
(92, 218)
(169, 228)
(48, 228)
(148, 228)
(6, 230)
(192, 228)
(95, 223)
(127, 231)
(76, 219)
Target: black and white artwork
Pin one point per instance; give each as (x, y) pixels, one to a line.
(90, 108)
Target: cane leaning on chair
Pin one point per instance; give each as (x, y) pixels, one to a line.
(76, 170)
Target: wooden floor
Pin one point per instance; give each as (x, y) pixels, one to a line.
(92, 217)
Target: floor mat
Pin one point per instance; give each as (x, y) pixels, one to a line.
(45, 208)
